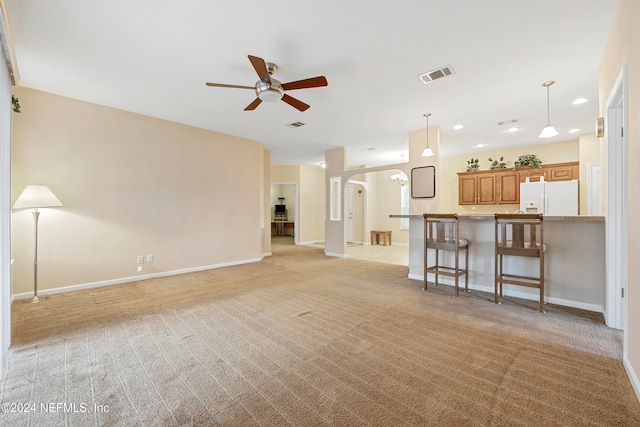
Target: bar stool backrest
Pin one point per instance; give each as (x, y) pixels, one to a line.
(519, 235)
(441, 231)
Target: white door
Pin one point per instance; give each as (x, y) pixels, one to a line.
(348, 214)
(594, 189)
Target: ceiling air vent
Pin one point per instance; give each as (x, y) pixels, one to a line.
(436, 74)
(508, 122)
(295, 124)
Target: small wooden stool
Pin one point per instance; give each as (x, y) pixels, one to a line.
(375, 235)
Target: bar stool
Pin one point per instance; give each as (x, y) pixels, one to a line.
(519, 235)
(441, 233)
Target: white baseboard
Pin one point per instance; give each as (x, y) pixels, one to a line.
(523, 295)
(312, 242)
(631, 373)
(335, 254)
(132, 279)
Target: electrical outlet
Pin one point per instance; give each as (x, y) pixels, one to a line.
(472, 266)
(140, 259)
(139, 268)
(149, 258)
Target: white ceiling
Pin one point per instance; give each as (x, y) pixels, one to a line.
(153, 57)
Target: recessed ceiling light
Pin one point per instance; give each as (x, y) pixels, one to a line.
(368, 149)
(480, 145)
(514, 129)
(580, 101)
(574, 130)
(458, 127)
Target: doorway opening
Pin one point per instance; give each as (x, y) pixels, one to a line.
(284, 213)
(369, 200)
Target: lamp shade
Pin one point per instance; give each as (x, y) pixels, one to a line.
(36, 196)
(427, 152)
(548, 132)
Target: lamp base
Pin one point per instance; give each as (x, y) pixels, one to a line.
(34, 299)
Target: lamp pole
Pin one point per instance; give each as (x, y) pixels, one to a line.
(35, 298)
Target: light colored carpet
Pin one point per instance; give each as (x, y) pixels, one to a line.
(306, 340)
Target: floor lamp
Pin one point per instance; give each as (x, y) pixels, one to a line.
(34, 197)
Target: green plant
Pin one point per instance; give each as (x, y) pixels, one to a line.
(497, 164)
(15, 104)
(528, 160)
(472, 165)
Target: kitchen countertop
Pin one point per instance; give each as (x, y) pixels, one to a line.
(486, 217)
(574, 261)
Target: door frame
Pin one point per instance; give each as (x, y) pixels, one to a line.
(616, 220)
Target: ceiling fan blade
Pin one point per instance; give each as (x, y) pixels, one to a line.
(261, 68)
(295, 103)
(253, 105)
(231, 86)
(306, 83)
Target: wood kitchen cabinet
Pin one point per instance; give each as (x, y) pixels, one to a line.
(508, 188)
(502, 186)
(564, 171)
(555, 172)
(477, 188)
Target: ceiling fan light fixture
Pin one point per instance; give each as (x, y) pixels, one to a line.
(548, 131)
(269, 92)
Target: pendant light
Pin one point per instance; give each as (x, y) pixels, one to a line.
(548, 130)
(427, 151)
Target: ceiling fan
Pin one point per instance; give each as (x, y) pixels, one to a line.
(270, 90)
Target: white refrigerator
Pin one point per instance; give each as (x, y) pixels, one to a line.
(557, 198)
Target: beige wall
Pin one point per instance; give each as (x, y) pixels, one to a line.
(285, 173)
(590, 148)
(417, 143)
(266, 203)
(334, 242)
(387, 202)
(131, 185)
(312, 204)
(559, 152)
(622, 49)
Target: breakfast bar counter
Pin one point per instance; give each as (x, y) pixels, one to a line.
(574, 260)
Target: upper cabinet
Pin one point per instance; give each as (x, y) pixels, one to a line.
(554, 172)
(502, 186)
(508, 187)
(477, 188)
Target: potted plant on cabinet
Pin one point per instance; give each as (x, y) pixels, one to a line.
(497, 164)
(530, 160)
(472, 165)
